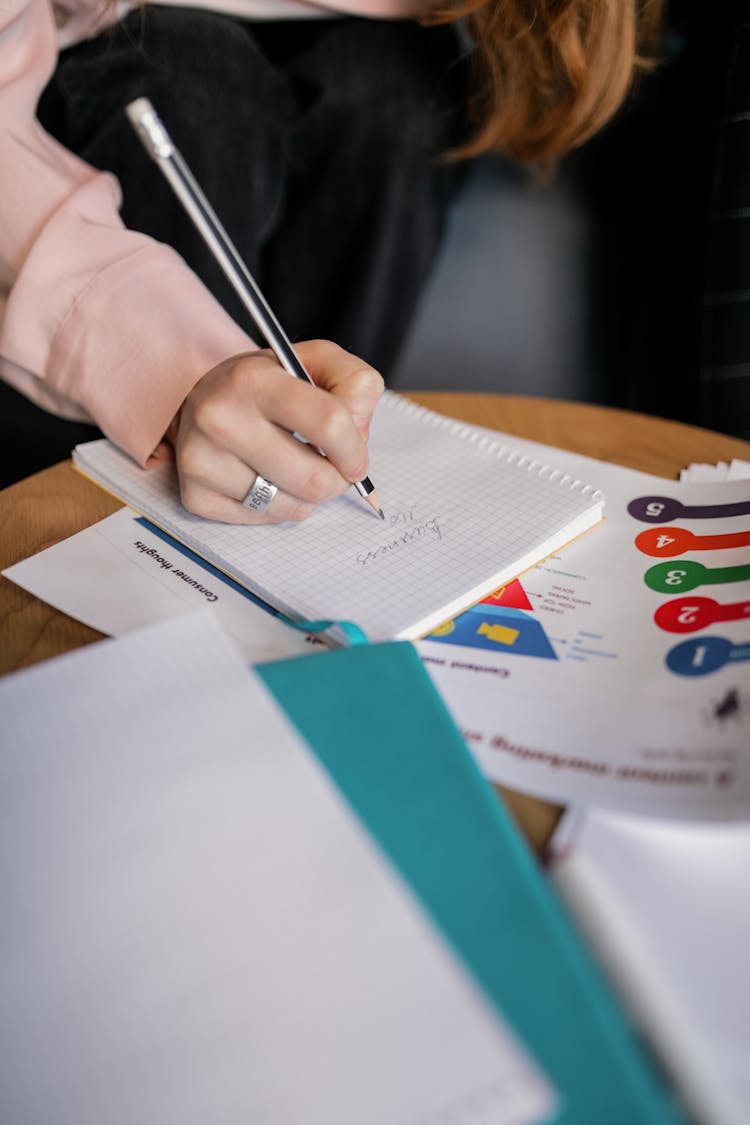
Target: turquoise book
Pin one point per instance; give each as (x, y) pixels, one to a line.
(380, 729)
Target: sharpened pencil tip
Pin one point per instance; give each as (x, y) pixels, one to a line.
(374, 501)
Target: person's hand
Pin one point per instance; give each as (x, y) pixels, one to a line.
(239, 421)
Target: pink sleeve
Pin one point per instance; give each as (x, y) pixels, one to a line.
(97, 322)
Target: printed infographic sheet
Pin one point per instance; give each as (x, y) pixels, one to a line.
(618, 672)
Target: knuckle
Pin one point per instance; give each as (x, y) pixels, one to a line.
(193, 499)
(194, 462)
(335, 421)
(298, 511)
(318, 347)
(212, 418)
(368, 382)
(319, 484)
(240, 374)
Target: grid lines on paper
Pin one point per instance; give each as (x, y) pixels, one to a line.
(458, 519)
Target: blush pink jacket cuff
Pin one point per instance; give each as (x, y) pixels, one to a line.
(98, 323)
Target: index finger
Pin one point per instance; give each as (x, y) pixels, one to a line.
(352, 381)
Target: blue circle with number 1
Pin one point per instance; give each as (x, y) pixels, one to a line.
(699, 656)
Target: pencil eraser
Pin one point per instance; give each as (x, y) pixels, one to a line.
(137, 109)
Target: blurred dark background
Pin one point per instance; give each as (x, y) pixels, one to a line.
(626, 279)
(623, 280)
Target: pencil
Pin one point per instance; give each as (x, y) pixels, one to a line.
(162, 150)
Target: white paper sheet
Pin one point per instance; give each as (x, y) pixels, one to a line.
(194, 929)
(666, 906)
(120, 574)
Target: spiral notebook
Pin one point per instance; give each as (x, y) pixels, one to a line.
(464, 514)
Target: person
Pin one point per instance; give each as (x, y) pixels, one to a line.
(330, 139)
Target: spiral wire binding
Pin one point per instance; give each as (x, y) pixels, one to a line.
(493, 446)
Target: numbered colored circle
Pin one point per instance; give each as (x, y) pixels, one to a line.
(654, 509)
(686, 615)
(699, 656)
(664, 542)
(668, 577)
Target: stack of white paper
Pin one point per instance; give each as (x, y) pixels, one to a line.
(194, 927)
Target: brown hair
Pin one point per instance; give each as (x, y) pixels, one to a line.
(550, 73)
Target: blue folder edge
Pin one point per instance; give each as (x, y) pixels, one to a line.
(380, 729)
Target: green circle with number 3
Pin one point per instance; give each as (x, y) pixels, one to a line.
(668, 576)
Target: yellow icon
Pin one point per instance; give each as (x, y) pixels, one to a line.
(444, 629)
(501, 634)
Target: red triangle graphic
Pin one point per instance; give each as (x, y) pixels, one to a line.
(512, 595)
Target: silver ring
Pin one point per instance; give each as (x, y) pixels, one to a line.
(260, 497)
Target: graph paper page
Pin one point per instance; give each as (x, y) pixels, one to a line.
(463, 514)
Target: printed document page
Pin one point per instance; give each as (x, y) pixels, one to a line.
(122, 573)
(616, 671)
(195, 929)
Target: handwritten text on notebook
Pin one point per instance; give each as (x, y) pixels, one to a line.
(409, 528)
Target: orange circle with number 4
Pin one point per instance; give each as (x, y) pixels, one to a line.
(664, 542)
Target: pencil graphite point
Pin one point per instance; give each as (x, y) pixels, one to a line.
(374, 501)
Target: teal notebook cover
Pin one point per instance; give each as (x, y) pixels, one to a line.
(379, 727)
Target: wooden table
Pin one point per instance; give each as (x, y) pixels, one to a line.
(56, 503)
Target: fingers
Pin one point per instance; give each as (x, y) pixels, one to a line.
(318, 417)
(214, 505)
(213, 484)
(353, 382)
(239, 421)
